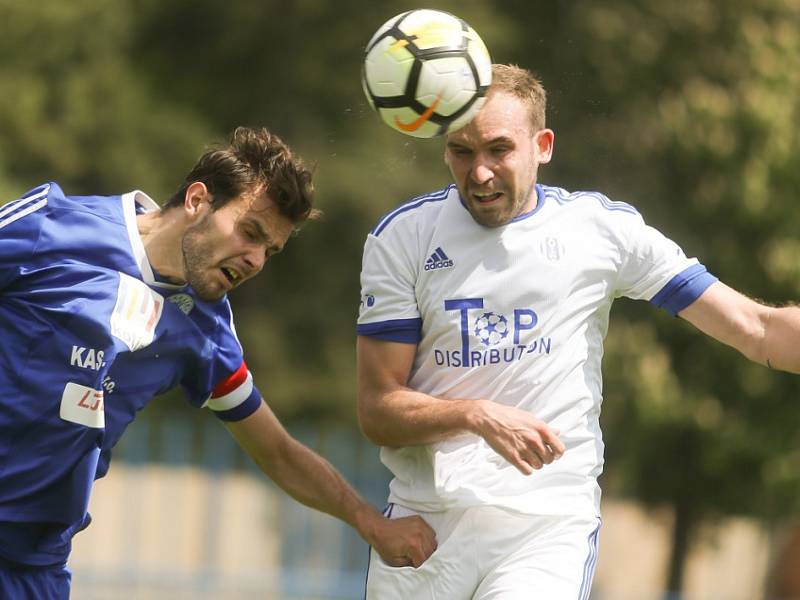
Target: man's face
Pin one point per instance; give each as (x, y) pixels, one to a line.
(494, 160)
(229, 246)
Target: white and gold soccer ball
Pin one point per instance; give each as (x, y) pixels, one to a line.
(426, 72)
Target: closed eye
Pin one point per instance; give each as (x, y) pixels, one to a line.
(459, 150)
(253, 233)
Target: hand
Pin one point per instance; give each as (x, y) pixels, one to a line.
(407, 541)
(516, 435)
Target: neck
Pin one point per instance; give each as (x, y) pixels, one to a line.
(161, 234)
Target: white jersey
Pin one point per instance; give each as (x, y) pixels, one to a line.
(516, 314)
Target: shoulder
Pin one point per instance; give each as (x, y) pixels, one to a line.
(422, 208)
(49, 201)
(226, 354)
(586, 201)
(594, 212)
(215, 318)
(33, 202)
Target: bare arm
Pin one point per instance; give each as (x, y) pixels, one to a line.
(764, 334)
(312, 480)
(391, 414)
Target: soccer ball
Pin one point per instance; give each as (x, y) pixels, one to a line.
(426, 73)
(491, 328)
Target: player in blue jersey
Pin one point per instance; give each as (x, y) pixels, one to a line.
(106, 302)
(484, 309)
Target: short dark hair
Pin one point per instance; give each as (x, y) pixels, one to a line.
(255, 160)
(523, 84)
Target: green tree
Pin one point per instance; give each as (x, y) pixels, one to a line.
(75, 107)
(687, 112)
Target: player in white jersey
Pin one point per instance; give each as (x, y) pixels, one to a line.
(483, 312)
(107, 301)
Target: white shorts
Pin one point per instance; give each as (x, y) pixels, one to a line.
(492, 553)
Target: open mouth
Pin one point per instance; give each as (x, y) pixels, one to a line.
(231, 275)
(486, 198)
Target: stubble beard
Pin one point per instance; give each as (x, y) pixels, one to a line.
(195, 264)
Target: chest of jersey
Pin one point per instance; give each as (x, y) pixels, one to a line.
(494, 294)
(183, 345)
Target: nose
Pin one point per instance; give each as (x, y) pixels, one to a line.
(255, 258)
(481, 171)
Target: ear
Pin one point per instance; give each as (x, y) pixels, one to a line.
(197, 199)
(543, 139)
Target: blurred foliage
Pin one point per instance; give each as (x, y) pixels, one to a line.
(699, 106)
(687, 111)
(76, 107)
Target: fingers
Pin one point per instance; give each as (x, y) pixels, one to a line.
(412, 543)
(523, 440)
(423, 542)
(429, 538)
(541, 453)
(526, 461)
(551, 439)
(417, 558)
(426, 542)
(540, 446)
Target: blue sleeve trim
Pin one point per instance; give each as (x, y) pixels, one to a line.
(683, 289)
(406, 331)
(243, 410)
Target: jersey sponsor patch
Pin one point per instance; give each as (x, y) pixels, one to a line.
(87, 358)
(136, 313)
(82, 405)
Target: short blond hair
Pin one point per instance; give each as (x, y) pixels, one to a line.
(524, 85)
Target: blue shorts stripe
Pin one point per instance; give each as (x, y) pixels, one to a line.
(589, 565)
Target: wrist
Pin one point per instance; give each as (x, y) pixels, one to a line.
(366, 520)
(474, 416)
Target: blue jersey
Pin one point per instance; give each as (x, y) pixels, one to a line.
(89, 337)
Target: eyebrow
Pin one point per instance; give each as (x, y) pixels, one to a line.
(501, 139)
(272, 247)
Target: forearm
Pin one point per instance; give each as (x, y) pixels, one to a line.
(390, 413)
(765, 334)
(404, 417)
(313, 481)
(780, 348)
(393, 415)
(301, 472)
